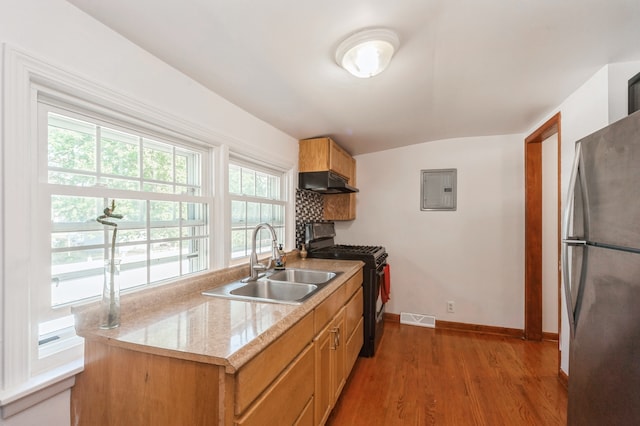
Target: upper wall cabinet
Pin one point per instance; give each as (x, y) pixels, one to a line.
(320, 154)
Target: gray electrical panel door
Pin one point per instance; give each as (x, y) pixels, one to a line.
(438, 189)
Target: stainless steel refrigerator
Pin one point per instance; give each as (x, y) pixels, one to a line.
(601, 267)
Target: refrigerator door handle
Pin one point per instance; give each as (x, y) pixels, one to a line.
(568, 241)
(574, 241)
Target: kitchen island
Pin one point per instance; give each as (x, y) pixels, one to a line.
(180, 357)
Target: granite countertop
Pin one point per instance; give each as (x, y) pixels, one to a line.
(178, 321)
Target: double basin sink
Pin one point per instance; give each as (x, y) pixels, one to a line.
(292, 286)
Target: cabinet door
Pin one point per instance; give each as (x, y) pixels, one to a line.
(339, 160)
(339, 207)
(342, 206)
(353, 312)
(313, 155)
(339, 356)
(354, 344)
(330, 366)
(319, 154)
(323, 392)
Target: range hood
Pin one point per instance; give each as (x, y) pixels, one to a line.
(324, 182)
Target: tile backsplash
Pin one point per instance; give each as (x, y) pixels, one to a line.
(309, 207)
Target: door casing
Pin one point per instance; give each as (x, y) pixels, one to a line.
(533, 227)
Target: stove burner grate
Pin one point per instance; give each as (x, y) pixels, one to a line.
(374, 254)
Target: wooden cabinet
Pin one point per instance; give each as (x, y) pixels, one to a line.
(295, 380)
(319, 154)
(354, 329)
(330, 362)
(289, 399)
(277, 374)
(341, 206)
(336, 344)
(124, 386)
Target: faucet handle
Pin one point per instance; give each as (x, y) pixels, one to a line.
(260, 267)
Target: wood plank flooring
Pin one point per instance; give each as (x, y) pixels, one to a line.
(423, 376)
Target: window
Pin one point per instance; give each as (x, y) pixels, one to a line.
(155, 182)
(256, 196)
(69, 148)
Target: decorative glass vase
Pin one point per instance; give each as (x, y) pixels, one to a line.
(110, 308)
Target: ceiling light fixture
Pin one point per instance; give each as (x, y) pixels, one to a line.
(367, 52)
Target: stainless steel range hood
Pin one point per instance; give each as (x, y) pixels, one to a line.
(324, 182)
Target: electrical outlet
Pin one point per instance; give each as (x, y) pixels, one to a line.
(451, 306)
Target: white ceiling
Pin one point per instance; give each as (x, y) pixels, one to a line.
(464, 67)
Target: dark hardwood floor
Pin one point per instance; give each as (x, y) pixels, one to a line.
(423, 376)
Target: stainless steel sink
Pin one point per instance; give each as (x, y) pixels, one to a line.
(274, 290)
(288, 287)
(306, 276)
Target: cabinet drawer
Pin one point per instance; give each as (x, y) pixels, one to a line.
(286, 401)
(353, 312)
(353, 284)
(257, 374)
(354, 344)
(306, 417)
(328, 308)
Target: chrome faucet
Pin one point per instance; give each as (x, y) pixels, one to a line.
(254, 265)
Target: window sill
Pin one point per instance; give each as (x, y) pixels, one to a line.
(38, 389)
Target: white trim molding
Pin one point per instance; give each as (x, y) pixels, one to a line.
(39, 389)
(16, 205)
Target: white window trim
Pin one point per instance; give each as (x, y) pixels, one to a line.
(287, 200)
(21, 74)
(226, 156)
(49, 189)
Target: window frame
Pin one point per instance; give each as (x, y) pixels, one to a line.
(24, 77)
(282, 201)
(25, 80)
(46, 356)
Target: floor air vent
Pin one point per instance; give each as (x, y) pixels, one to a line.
(418, 319)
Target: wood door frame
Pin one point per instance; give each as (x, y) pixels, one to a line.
(533, 226)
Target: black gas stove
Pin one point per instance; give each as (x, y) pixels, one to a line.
(373, 254)
(319, 239)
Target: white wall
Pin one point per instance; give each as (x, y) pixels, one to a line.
(51, 412)
(56, 32)
(550, 234)
(473, 256)
(619, 75)
(60, 34)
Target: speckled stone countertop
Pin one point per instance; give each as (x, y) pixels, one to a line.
(178, 321)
